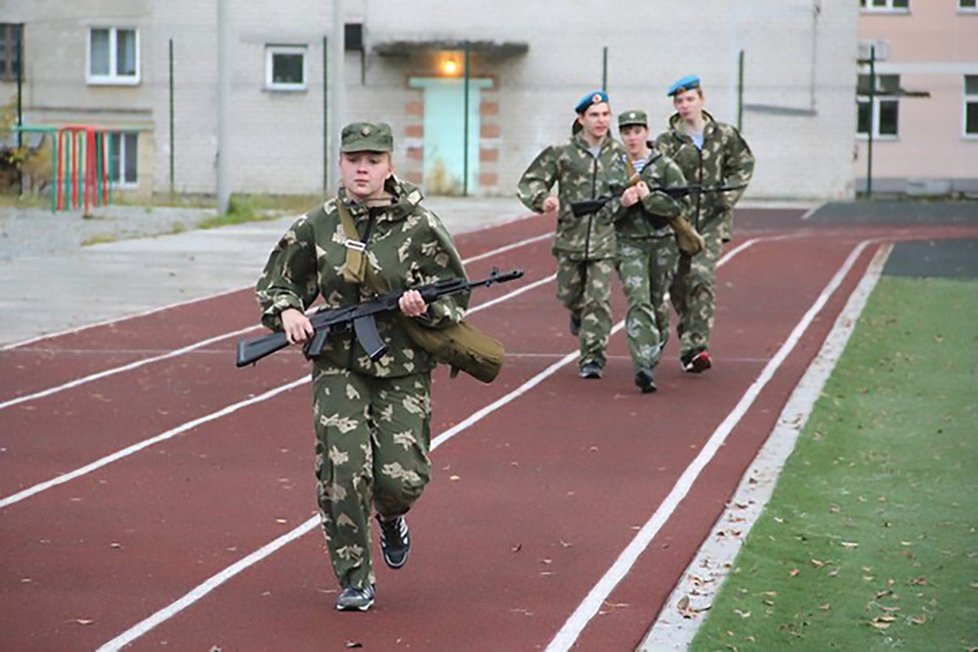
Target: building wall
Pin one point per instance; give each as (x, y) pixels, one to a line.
(798, 101)
(55, 90)
(798, 77)
(932, 48)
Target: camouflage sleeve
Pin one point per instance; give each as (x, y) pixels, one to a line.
(440, 261)
(668, 175)
(289, 279)
(665, 144)
(738, 165)
(535, 184)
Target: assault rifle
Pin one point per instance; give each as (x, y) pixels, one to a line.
(360, 317)
(589, 206)
(690, 242)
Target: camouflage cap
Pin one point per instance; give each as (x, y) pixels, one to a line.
(367, 137)
(633, 118)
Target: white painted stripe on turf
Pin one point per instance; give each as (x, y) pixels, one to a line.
(187, 349)
(575, 624)
(164, 614)
(671, 630)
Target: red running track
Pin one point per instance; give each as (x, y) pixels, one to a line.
(530, 505)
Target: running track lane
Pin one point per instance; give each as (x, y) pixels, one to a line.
(504, 584)
(389, 582)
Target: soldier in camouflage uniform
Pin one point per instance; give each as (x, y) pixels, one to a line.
(647, 249)
(588, 166)
(714, 155)
(371, 418)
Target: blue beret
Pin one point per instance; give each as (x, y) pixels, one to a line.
(687, 83)
(597, 97)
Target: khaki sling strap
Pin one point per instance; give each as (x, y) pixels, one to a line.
(461, 345)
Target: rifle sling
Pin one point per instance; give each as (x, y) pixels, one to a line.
(460, 345)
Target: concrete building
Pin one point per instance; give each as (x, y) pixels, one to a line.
(782, 69)
(924, 112)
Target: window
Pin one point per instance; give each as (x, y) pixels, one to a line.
(971, 105)
(285, 68)
(967, 5)
(123, 155)
(113, 56)
(10, 35)
(883, 6)
(885, 111)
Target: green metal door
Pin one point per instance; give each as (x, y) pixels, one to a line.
(444, 133)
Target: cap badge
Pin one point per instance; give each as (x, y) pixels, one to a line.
(365, 131)
(596, 98)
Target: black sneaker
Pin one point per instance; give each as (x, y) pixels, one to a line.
(575, 324)
(354, 599)
(697, 361)
(395, 540)
(591, 370)
(645, 381)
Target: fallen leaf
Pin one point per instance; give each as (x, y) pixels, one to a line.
(353, 644)
(281, 520)
(794, 572)
(742, 614)
(817, 564)
(849, 544)
(919, 620)
(516, 548)
(454, 478)
(81, 621)
(919, 581)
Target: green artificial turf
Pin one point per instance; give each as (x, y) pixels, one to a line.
(870, 541)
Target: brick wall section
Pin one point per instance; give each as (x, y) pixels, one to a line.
(411, 164)
(490, 133)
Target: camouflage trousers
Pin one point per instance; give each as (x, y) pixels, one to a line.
(584, 287)
(693, 291)
(646, 267)
(372, 443)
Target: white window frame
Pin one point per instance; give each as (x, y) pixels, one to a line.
(270, 52)
(968, 98)
(967, 10)
(122, 182)
(113, 78)
(866, 6)
(878, 101)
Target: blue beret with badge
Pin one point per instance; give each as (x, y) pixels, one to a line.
(687, 83)
(597, 97)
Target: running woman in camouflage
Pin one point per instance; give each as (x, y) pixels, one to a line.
(371, 418)
(714, 155)
(647, 249)
(588, 166)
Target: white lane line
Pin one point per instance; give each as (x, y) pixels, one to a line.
(151, 311)
(198, 592)
(187, 349)
(575, 624)
(135, 448)
(118, 370)
(671, 631)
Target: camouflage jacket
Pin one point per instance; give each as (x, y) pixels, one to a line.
(580, 176)
(648, 219)
(725, 160)
(407, 246)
